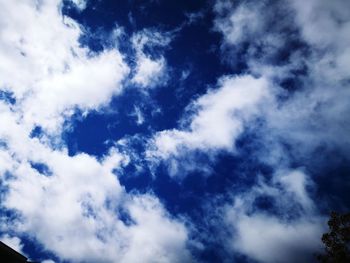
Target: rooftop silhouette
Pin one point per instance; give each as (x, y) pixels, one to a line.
(9, 255)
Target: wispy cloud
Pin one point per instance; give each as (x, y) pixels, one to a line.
(150, 70)
(287, 233)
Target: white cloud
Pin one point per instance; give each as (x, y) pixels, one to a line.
(269, 239)
(312, 115)
(155, 237)
(239, 25)
(150, 37)
(44, 66)
(80, 4)
(5, 162)
(292, 234)
(313, 112)
(316, 114)
(149, 71)
(80, 200)
(80, 87)
(251, 34)
(332, 17)
(219, 118)
(296, 183)
(140, 119)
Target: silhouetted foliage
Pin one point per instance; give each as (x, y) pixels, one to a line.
(337, 240)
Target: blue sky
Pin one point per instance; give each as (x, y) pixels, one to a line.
(173, 131)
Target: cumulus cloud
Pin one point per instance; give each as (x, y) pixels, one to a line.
(218, 119)
(239, 25)
(325, 28)
(300, 52)
(79, 204)
(155, 237)
(269, 239)
(289, 232)
(299, 94)
(148, 71)
(45, 68)
(277, 220)
(81, 201)
(58, 199)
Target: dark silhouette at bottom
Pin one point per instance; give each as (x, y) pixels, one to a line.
(9, 255)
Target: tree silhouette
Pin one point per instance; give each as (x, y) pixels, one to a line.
(337, 240)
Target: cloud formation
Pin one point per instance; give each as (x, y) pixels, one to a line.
(293, 92)
(57, 199)
(286, 99)
(285, 233)
(149, 71)
(47, 70)
(218, 119)
(307, 68)
(308, 111)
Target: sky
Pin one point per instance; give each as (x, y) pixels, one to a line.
(173, 131)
